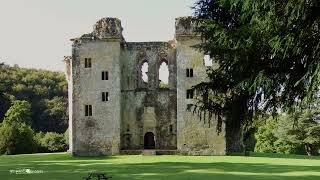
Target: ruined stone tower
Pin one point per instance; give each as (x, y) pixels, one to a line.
(113, 109)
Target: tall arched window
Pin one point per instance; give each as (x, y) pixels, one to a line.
(164, 75)
(144, 72)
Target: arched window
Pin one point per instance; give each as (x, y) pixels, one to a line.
(144, 72)
(164, 75)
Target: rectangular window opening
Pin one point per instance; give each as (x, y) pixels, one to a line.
(105, 96)
(189, 72)
(190, 94)
(87, 62)
(105, 75)
(88, 110)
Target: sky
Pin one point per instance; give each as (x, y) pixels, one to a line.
(37, 33)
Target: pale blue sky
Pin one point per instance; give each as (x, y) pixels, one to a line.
(36, 33)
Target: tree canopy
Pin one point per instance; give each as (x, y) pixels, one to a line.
(267, 51)
(16, 135)
(46, 91)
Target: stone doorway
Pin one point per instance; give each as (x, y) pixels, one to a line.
(149, 142)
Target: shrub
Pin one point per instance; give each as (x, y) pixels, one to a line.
(51, 142)
(266, 137)
(16, 138)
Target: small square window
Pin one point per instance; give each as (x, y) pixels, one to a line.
(190, 94)
(105, 96)
(88, 110)
(189, 72)
(105, 75)
(87, 63)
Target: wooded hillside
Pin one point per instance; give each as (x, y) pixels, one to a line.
(46, 91)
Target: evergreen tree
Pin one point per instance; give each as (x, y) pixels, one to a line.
(268, 56)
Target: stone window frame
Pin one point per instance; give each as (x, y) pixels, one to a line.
(105, 96)
(88, 110)
(105, 75)
(189, 72)
(140, 81)
(87, 62)
(162, 60)
(189, 93)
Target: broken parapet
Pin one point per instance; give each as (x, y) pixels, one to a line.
(105, 29)
(185, 26)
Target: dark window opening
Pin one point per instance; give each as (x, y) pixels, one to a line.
(189, 107)
(170, 128)
(87, 62)
(149, 142)
(105, 75)
(190, 94)
(88, 110)
(189, 72)
(105, 96)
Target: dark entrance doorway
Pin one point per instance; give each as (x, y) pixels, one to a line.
(149, 141)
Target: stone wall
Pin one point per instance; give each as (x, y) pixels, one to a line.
(194, 136)
(98, 134)
(145, 107)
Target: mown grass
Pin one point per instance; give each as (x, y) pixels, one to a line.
(60, 166)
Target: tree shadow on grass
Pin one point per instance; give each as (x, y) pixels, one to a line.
(141, 168)
(216, 170)
(286, 156)
(186, 170)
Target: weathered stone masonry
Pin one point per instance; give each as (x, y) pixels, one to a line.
(137, 114)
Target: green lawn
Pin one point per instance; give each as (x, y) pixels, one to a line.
(63, 166)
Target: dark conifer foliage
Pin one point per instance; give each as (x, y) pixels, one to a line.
(268, 56)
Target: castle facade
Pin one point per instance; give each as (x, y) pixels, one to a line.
(114, 108)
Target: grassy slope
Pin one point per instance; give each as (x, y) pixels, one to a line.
(63, 166)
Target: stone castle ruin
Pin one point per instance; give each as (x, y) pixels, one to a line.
(114, 109)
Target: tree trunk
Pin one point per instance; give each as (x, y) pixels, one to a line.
(311, 150)
(233, 137)
(236, 116)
